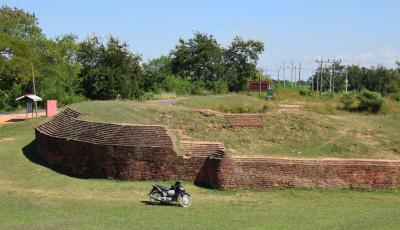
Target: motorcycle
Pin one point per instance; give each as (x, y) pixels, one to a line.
(176, 193)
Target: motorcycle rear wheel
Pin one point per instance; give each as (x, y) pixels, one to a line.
(185, 201)
(156, 195)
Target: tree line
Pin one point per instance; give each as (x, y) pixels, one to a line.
(380, 79)
(103, 69)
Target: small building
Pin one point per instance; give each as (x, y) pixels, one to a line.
(30, 100)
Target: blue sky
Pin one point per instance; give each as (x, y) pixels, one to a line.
(360, 32)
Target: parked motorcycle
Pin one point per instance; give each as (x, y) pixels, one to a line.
(176, 193)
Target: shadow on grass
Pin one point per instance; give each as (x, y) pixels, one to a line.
(15, 120)
(145, 202)
(30, 151)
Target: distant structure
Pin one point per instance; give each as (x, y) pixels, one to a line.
(30, 99)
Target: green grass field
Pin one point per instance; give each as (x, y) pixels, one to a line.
(32, 196)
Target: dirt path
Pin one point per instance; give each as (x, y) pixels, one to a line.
(7, 118)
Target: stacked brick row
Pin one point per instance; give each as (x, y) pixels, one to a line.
(245, 120)
(67, 125)
(265, 173)
(201, 149)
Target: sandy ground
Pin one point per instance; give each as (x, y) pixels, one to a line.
(16, 117)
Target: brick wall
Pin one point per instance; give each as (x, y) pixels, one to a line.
(140, 152)
(101, 150)
(264, 173)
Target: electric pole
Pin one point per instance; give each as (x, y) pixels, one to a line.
(347, 81)
(284, 75)
(294, 76)
(279, 83)
(34, 88)
(299, 72)
(291, 74)
(320, 62)
(312, 79)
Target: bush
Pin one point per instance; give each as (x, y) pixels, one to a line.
(305, 92)
(370, 101)
(395, 96)
(220, 87)
(178, 85)
(347, 100)
(197, 88)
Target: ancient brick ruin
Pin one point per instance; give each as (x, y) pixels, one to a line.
(245, 120)
(141, 152)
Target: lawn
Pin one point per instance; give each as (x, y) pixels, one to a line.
(33, 196)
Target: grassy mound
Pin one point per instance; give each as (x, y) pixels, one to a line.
(299, 133)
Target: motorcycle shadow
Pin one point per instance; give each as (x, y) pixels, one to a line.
(145, 202)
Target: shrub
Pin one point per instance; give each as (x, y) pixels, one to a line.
(395, 96)
(347, 100)
(303, 92)
(370, 101)
(220, 87)
(178, 85)
(197, 88)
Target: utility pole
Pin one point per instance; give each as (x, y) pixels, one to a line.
(347, 81)
(34, 87)
(291, 74)
(279, 83)
(299, 72)
(294, 76)
(330, 79)
(284, 75)
(320, 62)
(317, 81)
(312, 79)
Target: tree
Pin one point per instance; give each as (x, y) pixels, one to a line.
(155, 73)
(241, 59)
(59, 69)
(198, 59)
(18, 23)
(110, 70)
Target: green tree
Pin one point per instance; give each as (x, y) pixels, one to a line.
(109, 71)
(241, 59)
(19, 23)
(155, 73)
(59, 69)
(198, 59)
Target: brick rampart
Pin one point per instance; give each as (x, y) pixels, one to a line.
(102, 150)
(265, 173)
(140, 152)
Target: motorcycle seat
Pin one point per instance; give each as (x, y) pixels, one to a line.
(162, 187)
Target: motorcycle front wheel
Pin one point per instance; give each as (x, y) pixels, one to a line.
(155, 197)
(185, 201)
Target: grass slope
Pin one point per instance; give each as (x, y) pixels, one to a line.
(298, 133)
(32, 196)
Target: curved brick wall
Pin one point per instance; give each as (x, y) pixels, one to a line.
(92, 149)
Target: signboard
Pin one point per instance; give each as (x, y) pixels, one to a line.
(257, 86)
